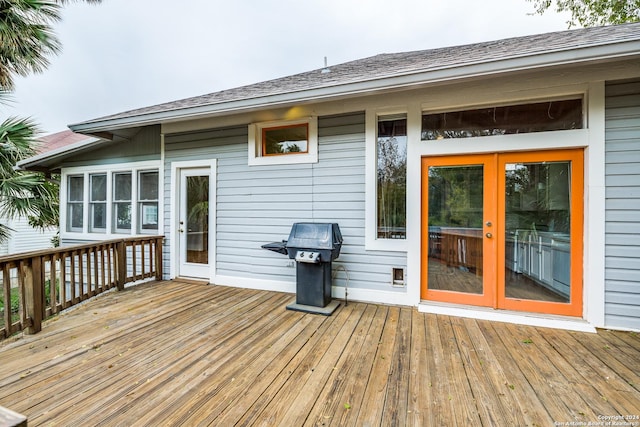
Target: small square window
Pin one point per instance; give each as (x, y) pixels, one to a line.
(285, 142)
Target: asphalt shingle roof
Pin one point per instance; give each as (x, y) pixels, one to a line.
(405, 63)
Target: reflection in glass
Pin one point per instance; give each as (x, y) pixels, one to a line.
(98, 202)
(122, 202)
(148, 201)
(285, 140)
(391, 174)
(504, 120)
(455, 228)
(197, 229)
(148, 185)
(537, 231)
(75, 205)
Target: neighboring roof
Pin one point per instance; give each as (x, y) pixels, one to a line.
(56, 146)
(59, 140)
(394, 70)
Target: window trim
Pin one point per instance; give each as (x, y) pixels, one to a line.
(256, 156)
(110, 170)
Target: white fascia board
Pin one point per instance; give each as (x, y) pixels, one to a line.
(478, 69)
(58, 152)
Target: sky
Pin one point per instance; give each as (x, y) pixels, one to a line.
(126, 54)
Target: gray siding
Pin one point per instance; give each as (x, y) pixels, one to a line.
(622, 249)
(25, 238)
(258, 204)
(144, 145)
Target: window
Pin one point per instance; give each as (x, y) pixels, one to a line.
(283, 142)
(98, 202)
(148, 200)
(511, 119)
(122, 202)
(391, 177)
(75, 202)
(112, 200)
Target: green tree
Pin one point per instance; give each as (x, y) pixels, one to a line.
(590, 13)
(27, 41)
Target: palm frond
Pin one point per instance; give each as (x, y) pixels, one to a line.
(72, 1)
(5, 233)
(22, 193)
(17, 142)
(27, 37)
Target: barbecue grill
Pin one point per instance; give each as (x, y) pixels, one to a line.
(313, 246)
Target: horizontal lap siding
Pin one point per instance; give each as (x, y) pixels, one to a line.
(622, 243)
(25, 238)
(258, 204)
(144, 145)
(339, 196)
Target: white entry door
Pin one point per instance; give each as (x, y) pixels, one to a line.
(194, 223)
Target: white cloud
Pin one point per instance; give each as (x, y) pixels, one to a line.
(126, 54)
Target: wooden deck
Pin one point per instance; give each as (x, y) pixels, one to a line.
(173, 353)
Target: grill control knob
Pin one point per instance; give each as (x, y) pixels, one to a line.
(301, 254)
(310, 255)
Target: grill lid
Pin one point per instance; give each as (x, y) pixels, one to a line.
(313, 235)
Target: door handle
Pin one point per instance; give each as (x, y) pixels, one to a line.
(489, 235)
(181, 230)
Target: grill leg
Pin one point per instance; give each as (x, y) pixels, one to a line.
(313, 284)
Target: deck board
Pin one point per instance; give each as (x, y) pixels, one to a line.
(175, 353)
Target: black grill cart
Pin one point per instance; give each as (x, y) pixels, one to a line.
(313, 246)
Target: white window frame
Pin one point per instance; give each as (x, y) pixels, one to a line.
(110, 170)
(372, 242)
(255, 143)
(95, 203)
(64, 206)
(142, 202)
(114, 227)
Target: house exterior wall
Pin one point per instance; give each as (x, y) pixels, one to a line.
(622, 249)
(258, 204)
(142, 151)
(25, 238)
(143, 146)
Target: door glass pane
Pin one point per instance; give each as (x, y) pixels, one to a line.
(455, 228)
(537, 235)
(197, 231)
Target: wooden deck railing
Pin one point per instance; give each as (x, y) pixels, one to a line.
(36, 285)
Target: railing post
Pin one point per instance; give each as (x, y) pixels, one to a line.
(158, 258)
(34, 294)
(121, 264)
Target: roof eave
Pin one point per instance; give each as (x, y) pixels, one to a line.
(602, 52)
(35, 162)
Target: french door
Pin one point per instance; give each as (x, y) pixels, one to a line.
(504, 230)
(194, 220)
